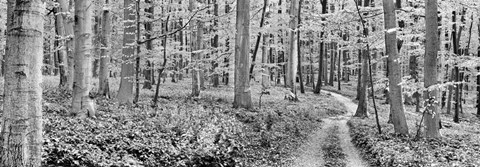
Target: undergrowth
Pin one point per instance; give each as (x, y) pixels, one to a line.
(180, 132)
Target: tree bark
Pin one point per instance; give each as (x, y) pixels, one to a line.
(149, 71)
(104, 88)
(242, 94)
(82, 104)
(125, 92)
(362, 111)
(21, 134)
(215, 76)
(292, 63)
(196, 56)
(137, 53)
(395, 89)
(332, 63)
(432, 117)
(259, 36)
(322, 45)
(62, 52)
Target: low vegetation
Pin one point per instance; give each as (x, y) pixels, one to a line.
(459, 145)
(181, 131)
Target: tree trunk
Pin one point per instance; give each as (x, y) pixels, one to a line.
(242, 94)
(359, 75)
(259, 36)
(432, 117)
(21, 134)
(62, 52)
(137, 53)
(104, 88)
(362, 111)
(300, 75)
(332, 63)
(322, 45)
(395, 90)
(149, 71)
(196, 45)
(292, 63)
(125, 92)
(266, 71)
(339, 72)
(455, 68)
(320, 69)
(69, 41)
(450, 92)
(215, 76)
(82, 104)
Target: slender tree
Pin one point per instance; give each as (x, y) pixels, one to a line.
(432, 116)
(62, 52)
(242, 97)
(21, 134)
(395, 77)
(104, 88)
(321, 52)
(259, 36)
(292, 64)
(149, 71)
(197, 43)
(125, 92)
(299, 46)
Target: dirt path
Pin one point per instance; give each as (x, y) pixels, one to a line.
(310, 154)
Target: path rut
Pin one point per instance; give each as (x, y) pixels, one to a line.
(310, 154)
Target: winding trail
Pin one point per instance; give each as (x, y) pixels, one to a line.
(310, 154)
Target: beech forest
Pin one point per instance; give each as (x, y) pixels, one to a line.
(239, 83)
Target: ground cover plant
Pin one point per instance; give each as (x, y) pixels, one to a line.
(459, 145)
(204, 131)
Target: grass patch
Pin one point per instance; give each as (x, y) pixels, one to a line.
(333, 153)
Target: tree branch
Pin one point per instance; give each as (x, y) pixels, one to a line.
(175, 31)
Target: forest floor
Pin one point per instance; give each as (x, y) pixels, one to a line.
(331, 145)
(458, 146)
(183, 131)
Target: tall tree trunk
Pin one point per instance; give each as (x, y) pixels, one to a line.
(125, 92)
(332, 63)
(62, 52)
(104, 88)
(456, 70)
(478, 76)
(65, 6)
(322, 45)
(339, 72)
(137, 55)
(266, 71)
(395, 90)
(299, 46)
(259, 36)
(21, 134)
(363, 94)
(242, 94)
(359, 74)
(215, 76)
(82, 104)
(162, 68)
(195, 56)
(432, 117)
(149, 71)
(292, 51)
